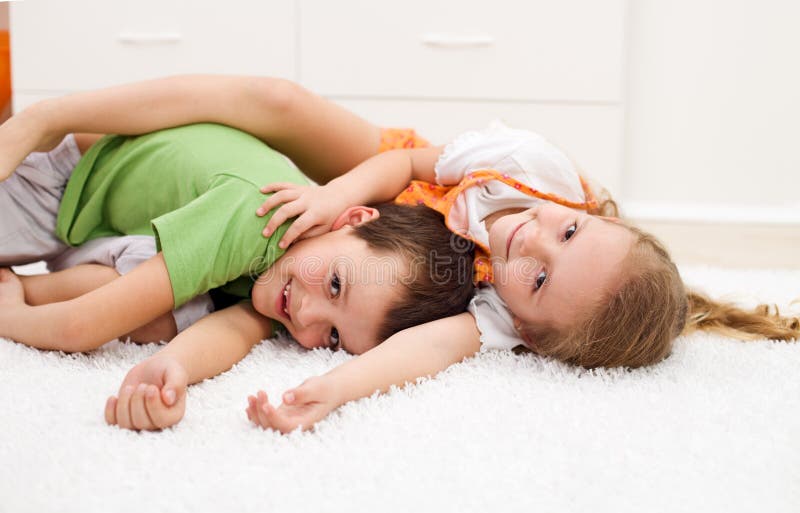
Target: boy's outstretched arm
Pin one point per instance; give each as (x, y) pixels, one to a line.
(324, 139)
(153, 394)
(91, 320)
(412, 353)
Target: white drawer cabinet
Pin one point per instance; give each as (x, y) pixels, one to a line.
(443, 67)
(68, 45)
(590, 134)
(565, 50)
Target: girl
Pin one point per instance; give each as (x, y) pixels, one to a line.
(580, 287)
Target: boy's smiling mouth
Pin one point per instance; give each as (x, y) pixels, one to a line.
(284, 300)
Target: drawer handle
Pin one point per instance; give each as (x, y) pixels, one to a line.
(451, 41)
(149, 37)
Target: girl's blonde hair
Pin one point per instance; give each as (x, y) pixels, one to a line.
(635, 324)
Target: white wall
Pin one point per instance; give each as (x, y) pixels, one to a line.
(713, 110)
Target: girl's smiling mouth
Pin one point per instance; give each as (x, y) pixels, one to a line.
(511, 237)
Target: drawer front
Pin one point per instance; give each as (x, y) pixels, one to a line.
(565, 50)
(83, 44)
(591, 135)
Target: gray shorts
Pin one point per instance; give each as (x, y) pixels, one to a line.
(29, 202)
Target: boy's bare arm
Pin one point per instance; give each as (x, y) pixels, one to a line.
(89, 321)
(410, 354)
(324, 139)
(153, 394)
(216, 342)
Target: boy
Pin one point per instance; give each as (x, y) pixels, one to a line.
(196, 188)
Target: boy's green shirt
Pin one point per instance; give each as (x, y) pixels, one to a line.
(196, 188)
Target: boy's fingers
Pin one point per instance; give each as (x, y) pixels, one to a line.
(139, 417)
(174, 388)
(123, 405)
(111, 415)
(158, 411)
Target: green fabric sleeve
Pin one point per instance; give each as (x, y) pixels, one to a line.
(216, 239)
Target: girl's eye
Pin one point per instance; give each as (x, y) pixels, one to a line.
(540, 279)
(334, 339)
(571, 231)
(336, 286)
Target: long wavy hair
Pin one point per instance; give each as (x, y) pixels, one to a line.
(635, 324)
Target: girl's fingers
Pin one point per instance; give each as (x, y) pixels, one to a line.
(276, 199)
(262, 406)
(307, 392)
(123, 407)
(139, 417)
(300, 226)
(280, 216)
(277, 186)
(111, 414)
(278, 420)
(251, 409)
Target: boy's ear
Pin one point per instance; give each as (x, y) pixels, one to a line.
(611, 219)
(355, 216)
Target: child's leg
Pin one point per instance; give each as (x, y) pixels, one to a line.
(42, 289)
(29, 201)
(84, 268)
(91, 320)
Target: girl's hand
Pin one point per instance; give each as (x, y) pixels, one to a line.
(22, 134)
(302, 407)
(317, 208)
(152, 396)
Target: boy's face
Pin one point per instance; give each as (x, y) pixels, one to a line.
(331, 291)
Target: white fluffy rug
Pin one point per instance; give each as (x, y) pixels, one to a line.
(716, 427)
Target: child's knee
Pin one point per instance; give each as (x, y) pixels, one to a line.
(162, 329)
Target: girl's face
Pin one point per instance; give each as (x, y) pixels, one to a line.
(330, 291)
(550, 262)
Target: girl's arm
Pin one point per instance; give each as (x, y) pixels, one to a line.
(322, 138)
(91, 320)
(412, 353)
(378, 179)
(153, 394)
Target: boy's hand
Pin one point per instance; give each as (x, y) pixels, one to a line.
(152, 396)
(302, 407)
(317, 206)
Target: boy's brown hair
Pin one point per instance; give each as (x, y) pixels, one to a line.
(439, 279)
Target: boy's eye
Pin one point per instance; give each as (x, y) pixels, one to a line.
(336, 285)
(334, 339)
(540, 279)
(571, 231)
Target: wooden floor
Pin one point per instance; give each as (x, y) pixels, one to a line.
(729, 245)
